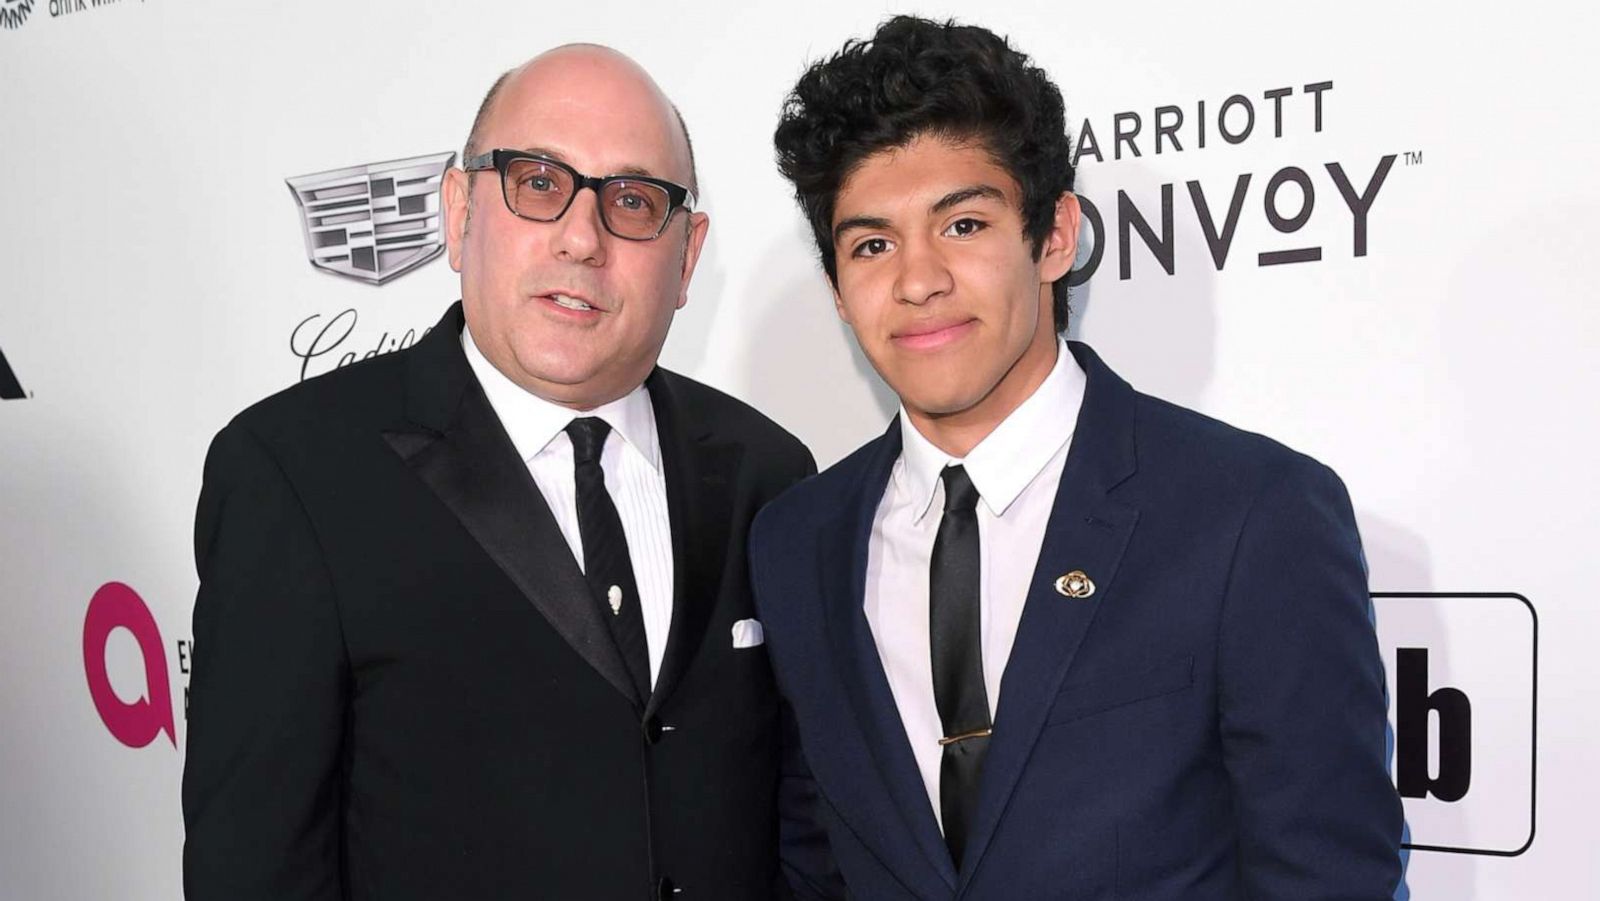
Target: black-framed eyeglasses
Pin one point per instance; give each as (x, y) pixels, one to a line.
(633, 207)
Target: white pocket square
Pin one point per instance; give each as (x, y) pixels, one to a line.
(747, 634)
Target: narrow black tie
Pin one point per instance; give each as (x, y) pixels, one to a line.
(605, 551)
(955, 633)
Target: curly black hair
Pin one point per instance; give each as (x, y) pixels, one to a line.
(918, 77)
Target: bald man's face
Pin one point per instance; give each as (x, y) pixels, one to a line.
(524, 284)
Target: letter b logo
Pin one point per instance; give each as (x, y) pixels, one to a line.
(1413, 704)
(1461, 674)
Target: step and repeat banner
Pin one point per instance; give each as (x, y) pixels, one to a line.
(1363, 229)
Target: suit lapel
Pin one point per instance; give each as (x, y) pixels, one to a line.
(843, 565)
(701, 474)
(457, 446)
(1087, 531)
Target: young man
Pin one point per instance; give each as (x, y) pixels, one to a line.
(1047, 637)
(465, 611)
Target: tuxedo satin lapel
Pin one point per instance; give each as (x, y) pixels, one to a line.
(1087, 531)
(457, 446)
(843, 565)
(701, 474)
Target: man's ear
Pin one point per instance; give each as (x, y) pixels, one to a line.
(838, 302)
(456, 195)
(694, 242)
(1061, 243)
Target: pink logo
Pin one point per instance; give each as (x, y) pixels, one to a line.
(136, 725)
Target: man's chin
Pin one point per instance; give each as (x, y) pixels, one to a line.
(555, 364)
(943, 403)
(554, 377)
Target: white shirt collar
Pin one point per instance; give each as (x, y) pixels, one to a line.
(533, 422)
(1011, 456)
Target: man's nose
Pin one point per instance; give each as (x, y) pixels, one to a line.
(579, 236)
(923, 274)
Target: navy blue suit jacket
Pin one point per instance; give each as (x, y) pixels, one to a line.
(1209, 724)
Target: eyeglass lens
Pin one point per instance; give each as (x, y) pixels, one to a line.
(539, 190)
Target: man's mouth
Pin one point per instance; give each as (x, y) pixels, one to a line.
(571, 303)
(932, 335)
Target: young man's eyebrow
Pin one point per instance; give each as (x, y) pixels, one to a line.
(855, 222)
(963, 195)
(954, 198)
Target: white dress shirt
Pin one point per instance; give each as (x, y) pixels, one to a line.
(1016, 469)
(635, 480)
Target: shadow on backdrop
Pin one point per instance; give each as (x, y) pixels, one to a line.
(1156, 330)
(1399, 560)
(800, 363)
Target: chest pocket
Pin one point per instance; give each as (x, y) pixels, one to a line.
(1109, 691)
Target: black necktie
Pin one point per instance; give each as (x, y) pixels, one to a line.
(605, 551)
(955, 634)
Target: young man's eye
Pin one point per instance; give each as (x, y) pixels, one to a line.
(962, 228)
(871, 247)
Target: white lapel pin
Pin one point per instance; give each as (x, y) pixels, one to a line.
(1075, 584)
(614, 595)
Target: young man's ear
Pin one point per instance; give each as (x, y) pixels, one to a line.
(1061, 244)
(838, 301)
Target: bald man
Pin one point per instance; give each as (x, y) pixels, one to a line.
(474, 619)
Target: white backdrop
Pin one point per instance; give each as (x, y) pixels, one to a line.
(155, 271)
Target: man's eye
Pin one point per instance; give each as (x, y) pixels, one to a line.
(962, 228)
(634, 203)
(539, 183)
(871, 247)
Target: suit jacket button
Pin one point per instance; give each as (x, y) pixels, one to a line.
(665, 890)
(652, 732)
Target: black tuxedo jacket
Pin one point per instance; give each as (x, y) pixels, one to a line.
(402, 688)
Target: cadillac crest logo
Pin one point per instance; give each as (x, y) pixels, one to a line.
(373, 222)
(14, 12)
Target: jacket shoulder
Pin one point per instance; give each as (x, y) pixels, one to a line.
(816, 502)
(356, 398)
(1194, 446)
(736, 421)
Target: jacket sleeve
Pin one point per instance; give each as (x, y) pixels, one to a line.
(805, 854)
(1301, 700)
(267, 708)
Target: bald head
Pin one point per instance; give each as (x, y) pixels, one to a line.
(566, 308)
(585, 70)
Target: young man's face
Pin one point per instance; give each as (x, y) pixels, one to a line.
(941, 285)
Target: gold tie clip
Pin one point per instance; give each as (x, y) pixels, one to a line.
(981, 733)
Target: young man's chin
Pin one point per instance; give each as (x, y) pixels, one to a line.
(942, 402)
